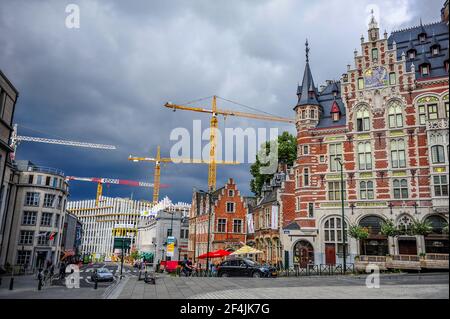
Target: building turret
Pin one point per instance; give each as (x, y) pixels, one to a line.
(308, 108)
(374, 31)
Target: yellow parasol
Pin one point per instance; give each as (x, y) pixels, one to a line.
(244, 250)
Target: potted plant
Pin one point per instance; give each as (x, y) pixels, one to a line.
(358, 232)
(389, 229)
(445, 229)
(421, 228)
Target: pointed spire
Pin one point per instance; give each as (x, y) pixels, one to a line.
(373, 23)
(307, 51)
(422, 31)
(423, 57)
(307, 92)
(434, 41)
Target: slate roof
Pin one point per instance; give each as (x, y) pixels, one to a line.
(326, 100)
(408, 38)
(304, 97)
(292, 226)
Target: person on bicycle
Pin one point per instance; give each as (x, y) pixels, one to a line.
(187, 267)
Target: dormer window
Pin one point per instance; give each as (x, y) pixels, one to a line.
(435, 50)
(335, 117)
(425, 69)
(312, 114)
(422, 37)
(412, 54)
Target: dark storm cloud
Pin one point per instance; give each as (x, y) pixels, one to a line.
(107, 81)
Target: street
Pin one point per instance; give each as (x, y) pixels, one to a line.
(392, 286)
(26, 286)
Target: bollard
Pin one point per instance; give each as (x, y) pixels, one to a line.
(95, 283)
(40, 284)
(0, 281)
(11, 283)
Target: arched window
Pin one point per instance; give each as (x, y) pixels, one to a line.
(333, 235)
(395, 115)
(437, 223)
(400, 188)
(374, 54)
(365, 156)
(398, 155)
(404, 223)
(437, 154)
(372, 223)
(362, 119)
(366, 190)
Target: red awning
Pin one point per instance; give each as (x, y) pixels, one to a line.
(215, 254)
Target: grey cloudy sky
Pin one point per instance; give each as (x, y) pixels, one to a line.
(107, 81)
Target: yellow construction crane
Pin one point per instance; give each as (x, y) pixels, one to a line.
(214, 111)
(158, 160)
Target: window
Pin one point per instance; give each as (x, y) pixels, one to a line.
(47, 181)
(305, 150)
(335, 116)
(23, 257)
(437, 154)
(365, 156)
(230, 207)
(310, 210)
(312, 114)
(395, 115)
(412, 54)
(446, 109)
(322, 158)
(268, 221)
(375, 54)
(57, 221)
(362, 120)
(360, 83)
(398, 155)
(306, 177)
(48, 200)
(230, 193)
(237, 226)
(425, 69)
(221, 225)
(59, 202)
(334, 190)
(29, 218)
(43, 239)
(366, 190)
(39, 180)
(440, 183)
(432, 112)
(32, 199)
(297, 204)
(55, 182)
(30, 179)
(169, 232)
(435, 50)
(333, 232)
(392, 78)
(46, 219)
(26, 237)
(422, 115)
(335, 151)
(422, 37)
(400, 188)
(186, 233)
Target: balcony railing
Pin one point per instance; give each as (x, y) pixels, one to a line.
(376, 259)
(436, 256)
(438, 124)
(406, 258)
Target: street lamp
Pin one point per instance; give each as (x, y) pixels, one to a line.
(339, 160)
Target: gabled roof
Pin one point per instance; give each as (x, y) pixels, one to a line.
(307, 92)
(335, 108)
(441, 36)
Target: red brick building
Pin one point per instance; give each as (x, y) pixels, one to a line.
(387, 119)
(274, 209)
(227, 220)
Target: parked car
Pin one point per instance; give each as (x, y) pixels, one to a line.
(244, 267)
(102, 274)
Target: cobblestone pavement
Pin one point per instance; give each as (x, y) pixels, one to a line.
(336, 287)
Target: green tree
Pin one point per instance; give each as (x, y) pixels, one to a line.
(287, 154)
(358, 232)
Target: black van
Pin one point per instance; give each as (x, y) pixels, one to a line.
(244, 268)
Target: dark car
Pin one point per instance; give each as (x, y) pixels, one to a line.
(244, 268)
(102, 274)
